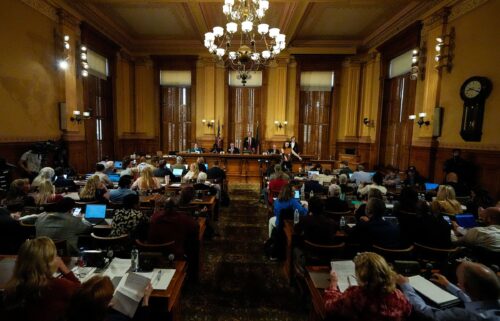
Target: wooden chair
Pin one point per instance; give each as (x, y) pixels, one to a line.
(165, 248)
(392, 255)
(155, 255)
(120, 245)
(29, 230)
(437, 256)
(61, 247)
(322, 254)
(337, 215)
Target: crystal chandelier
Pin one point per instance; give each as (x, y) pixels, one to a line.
(253, 49)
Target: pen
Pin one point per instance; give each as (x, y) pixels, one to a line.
(158, 276)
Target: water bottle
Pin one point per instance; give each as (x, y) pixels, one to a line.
(342, 223)
(342, 196)
(296, 216)
(302, 192)
(311, 195)
(171, 263)
(134, 256)
(81, 260)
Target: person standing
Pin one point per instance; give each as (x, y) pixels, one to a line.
(294, 145)
(250, 144)
(31, 162)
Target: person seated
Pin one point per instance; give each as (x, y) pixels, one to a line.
(361, 210)
(11, 233)
(446, 202)
(377, 181)
(196, 149)
(333, 203)
(33, 293)
(313, 185)
(317, 167)
(479, 198)
(278, 180)
(392, 178)
(163, 170)
(344, 168)
(62, 182)
(478, 288)
(344, 186)
(194, 170)
(413, 178)
(128, 219)
(408, 200)
(109, 167)
(203, 185)
(278, 172)
(185, 197)
(117, 195)
(429, 229)
(17, 196)
(216, 173)
(316, 227)
(46, 174)
(373, 229)
(99, 171)
(486, 237)
(147, 181)
(374, 298)
(144, 163)
(62, 225)
(127, 165)
(218, 145)
(360, 176)
(94, 190)
(273, 151)
(46, 194)
(461, 190)
(93, 302)
(179, 163)
(284, 201)
(201, 164)
(232, 149)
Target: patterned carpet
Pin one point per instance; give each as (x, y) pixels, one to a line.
(237, 281)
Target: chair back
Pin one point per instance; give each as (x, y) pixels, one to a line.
(337, 215)
(28, 230)
(322, 254)
(391, 255)
(438, 256)
(163, 248)
(61, 247)
(120, 245)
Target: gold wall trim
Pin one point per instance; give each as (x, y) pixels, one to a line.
(43, 7)
(464, 7)
(25, 139)
(475, 146)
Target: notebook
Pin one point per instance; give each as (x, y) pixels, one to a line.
(466, 220)
(346, 273)
(432, 292)
(177, 172)
(95, 213)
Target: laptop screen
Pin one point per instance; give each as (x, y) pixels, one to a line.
(95, 211)
(466, 220)
(391, 219)
(431, 186)
(206, 166)
(114, 177)
(168, 165)
(118, 164)
(296, 194)
(177, 172)
(311, 173)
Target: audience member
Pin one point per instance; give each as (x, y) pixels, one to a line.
(62, 181)
(201, 164)
(33, 293)
(374, 298)
(360, 176)
(147, 181)
(430, 229)
(344, 168)
(99, 171)
(192, 174)
(486, 237)
(62, 225)
(478, 289)
(407, 203)
(45, 174)
(109, 167)
(461, 190)
(479, 199)
(185, 197)
(94, 190)
(179, 163)
(446, 202)
(344, 186)
(163, 170)
(127, 165)
(117, 195)
(273, 151)
(17, 196)
(313, 185)
(216, 173)
(284, 201)
(333, 203)
(392, 178)
(46, 194)
(361, 210)
(413, 178)
(278, 180)
(127, 219)
(316, 227)
(31, 162)
(377, 181)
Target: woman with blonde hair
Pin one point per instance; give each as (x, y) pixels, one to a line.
(446, 202)
(46, 174)
(147, 180)
(94, 190)
(374, 298)
(193, 172)
(46, 194)
(32, 293)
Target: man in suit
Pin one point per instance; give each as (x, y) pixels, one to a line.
(274, 150)
(250, 143)
(294, 145)
(196, 149)
(232, 149)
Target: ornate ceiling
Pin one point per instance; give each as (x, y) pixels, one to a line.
(311, 26)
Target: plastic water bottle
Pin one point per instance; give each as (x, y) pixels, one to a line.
(342, 196)
(296, 216)
(342, 223)
(134, 256)
(171, 263)
(311, 195)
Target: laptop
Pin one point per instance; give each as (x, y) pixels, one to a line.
(118, 164)
(297, 194)
(206, 166)
(466, 220)
(115, 178)
(431, 186)
(95, 213)
(168, 165)
(391, 219)
(177, 172)
(311, 173)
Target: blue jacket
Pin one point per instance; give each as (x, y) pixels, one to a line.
(291, 203)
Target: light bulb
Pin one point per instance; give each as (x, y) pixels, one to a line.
(83, 48)
(264, 4)
(274, 32)
(438, 48)
(66, 45)
(415, 51)
(280, 38)
(232, 55)
(83, 56)
(260, 13)
(246, 26)
(220, 52)
(255, 56)
(76, 112)
(63, 64)
(85, 73)
(439, 39)
(412, 117)
(209, 36)
(263, 28)
(232, 27)
(422, 115)
(66, 38)
(218, 31)
(225, 9)
(86, 114)
(266, 54)
(229, 2)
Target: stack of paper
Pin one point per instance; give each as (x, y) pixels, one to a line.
(129, 293)
(346, 274)
(432, 292)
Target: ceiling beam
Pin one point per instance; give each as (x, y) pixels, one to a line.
(297, 19)
(193, 10)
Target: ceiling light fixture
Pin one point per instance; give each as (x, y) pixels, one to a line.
(253, 49)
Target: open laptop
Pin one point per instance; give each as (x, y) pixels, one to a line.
(431, 186)
(177, 172)
(391, 219)
(206, 166)
(118, 164)
(115, 178)
(168, 165)
(296, 194)
(311, 173)
(95, 213)
(466, 220)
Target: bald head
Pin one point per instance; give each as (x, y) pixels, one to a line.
(490, 215)
(478, 281)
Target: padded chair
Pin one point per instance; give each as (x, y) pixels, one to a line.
(120, 245)
(337, 215)
(83, 204)
(392, 255)
(322, 254)
(441, 258)
(165, 248)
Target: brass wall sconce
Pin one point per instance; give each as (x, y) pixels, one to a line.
(63, 63)
(418, 59)
(367, 122)
(279, 124)
(83, 61)
(421, 119)
(445, 46)
(78, 117)
(209, 124)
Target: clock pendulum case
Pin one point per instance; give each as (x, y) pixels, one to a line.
(474, 92)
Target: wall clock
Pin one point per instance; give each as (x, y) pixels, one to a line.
(474, 92)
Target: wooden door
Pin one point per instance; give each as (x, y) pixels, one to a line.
(396, 128)
(314, 123)
(244, 113)
(176, 118)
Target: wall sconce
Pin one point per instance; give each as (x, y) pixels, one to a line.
(367, 122)
(63, 63)
(421, 120)
(279, 124)
(79, 117)
(445, 46)
(83, 61)
(209, 124)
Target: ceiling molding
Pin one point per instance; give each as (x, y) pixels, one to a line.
(341, 47)
(43, 7)
(198, 22)
(296, 19)
(464, 7)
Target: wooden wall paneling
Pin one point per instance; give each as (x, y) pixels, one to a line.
(244, 112)
(176, 118)
(77, 157)
(314, 123)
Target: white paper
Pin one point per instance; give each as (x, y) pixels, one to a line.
(129, 293)
(161, 282)
(118, 267)
(83, 273)
(431, 291)
(346, 274)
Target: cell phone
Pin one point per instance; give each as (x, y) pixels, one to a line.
(297, 194)
(76, 211)
(447, 219)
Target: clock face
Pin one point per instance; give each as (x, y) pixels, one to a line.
(472, 89)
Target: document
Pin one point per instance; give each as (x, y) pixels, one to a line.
(118, 267)
(432, 292)
(346, 274)
(160, 278)
(129, 293)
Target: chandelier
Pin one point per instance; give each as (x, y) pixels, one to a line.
(253, 49)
